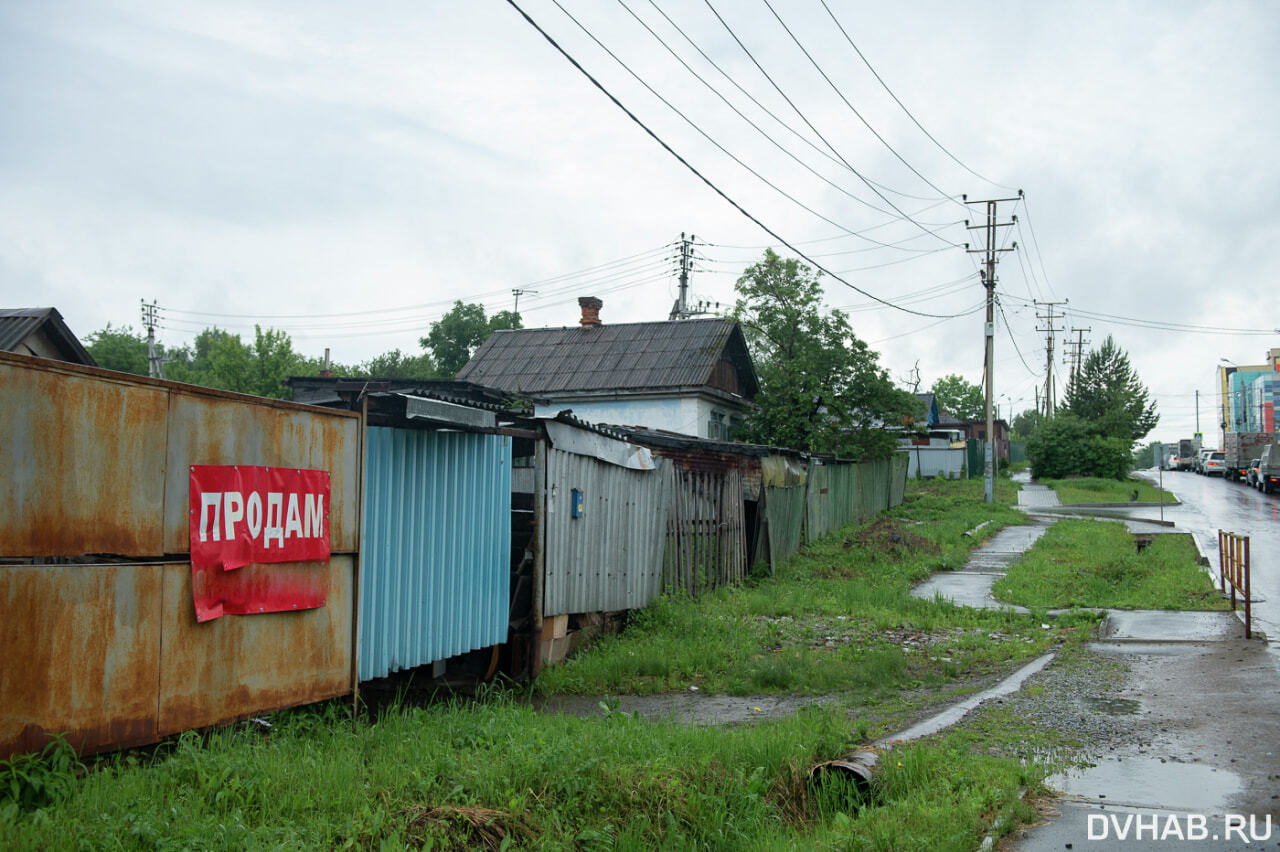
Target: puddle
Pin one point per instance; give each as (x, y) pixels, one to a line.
(1111, 706)
(690, 708)
(1146, 781)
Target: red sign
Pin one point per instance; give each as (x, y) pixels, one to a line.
(244, 515)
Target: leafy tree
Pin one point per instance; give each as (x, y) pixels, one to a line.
(119, 349)
(1107, 394)
(1026, 423)
(454, 338)
(394, 365)
(219, 359)
(820, 386)
(959, 398)
(1068, 446)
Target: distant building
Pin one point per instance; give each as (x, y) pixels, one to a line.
(42, 333)
(692, 377)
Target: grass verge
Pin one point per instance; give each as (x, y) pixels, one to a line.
(838, 619)
(495, 774)
(1091, 489)
(1089, 563)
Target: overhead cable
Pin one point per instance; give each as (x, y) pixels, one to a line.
(699, 174)
(914, 121)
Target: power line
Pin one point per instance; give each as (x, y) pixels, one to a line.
(699, 174)
(817, 132)
(694, 125)
(854, 109)
(748, 120)
(914, 121)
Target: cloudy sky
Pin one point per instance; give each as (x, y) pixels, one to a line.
(345, 171)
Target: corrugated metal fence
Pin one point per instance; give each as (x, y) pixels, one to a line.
(835, 494)
(609, 557)
(438, 533)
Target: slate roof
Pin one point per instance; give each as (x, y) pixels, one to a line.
(641, 356)
(17, 324)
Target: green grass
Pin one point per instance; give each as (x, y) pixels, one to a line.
(832, 622)
(468, 776)
(1096, 564)
(495, 774)
(1091, 489)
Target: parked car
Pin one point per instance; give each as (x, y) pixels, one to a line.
(1251, 474)
(1269, 468)
(1215, 464)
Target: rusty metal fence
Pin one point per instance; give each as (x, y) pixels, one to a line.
(1234, 572)
(95, 585)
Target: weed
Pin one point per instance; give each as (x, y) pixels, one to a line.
(37, 780)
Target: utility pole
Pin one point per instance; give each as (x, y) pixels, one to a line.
(517, 292)
(988, 275)
(1076, 357)
(681, 308)
(155, 367)
(1050, 329)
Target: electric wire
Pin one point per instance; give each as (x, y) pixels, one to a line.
(914, 121)
(698, 129)
(785, 125)
(694, 170)
(867, 124)
(815, 130)
(424, 305)
(788, 152)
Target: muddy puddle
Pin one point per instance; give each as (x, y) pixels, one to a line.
(1111, 706)
(1152, 782)
(691, 708)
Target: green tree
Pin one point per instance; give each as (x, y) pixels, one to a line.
(820, 386)
(219, 359)
(118, 349)
(454, 338)
(959, 398)
(1107, 394)
(1025, 424)
(1068, 446)
(394, 365)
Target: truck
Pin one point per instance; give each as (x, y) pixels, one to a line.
(1186, 453)
(1269, 468)
(1242, 448)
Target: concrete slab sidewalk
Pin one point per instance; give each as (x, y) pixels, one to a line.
(1207, 772)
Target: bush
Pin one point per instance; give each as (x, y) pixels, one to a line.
(1067, 446)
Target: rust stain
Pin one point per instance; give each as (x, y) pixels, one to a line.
(89, 641)
(233, 666)
(85, 463)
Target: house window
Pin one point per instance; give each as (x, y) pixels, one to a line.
(717, 428)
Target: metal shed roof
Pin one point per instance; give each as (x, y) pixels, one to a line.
(625, 356)
(17, 324)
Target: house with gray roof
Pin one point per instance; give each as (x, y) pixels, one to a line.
(41, 332)
(691, 377)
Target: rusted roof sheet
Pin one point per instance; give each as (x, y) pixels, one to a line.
(626, 356)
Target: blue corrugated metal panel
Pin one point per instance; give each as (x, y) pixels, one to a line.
(434, 577)
(610, 558)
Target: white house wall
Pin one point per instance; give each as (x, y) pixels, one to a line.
(683, 415)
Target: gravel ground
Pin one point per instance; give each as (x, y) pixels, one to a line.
(1074, 700)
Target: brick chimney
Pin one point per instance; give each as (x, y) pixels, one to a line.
(590, 310)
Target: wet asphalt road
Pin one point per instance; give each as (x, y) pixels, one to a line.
(1210, 503)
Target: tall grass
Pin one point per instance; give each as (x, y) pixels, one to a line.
(1089, 563)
